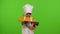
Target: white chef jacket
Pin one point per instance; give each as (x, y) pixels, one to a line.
(26, 30)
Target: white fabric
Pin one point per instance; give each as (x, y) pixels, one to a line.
(28, 8)
(26, 30)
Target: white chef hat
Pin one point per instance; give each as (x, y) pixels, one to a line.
(28, 8)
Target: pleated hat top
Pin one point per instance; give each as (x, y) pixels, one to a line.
(28, 8)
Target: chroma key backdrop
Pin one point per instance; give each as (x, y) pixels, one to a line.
(46, 12)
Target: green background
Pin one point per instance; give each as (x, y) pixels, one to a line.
(46, 12)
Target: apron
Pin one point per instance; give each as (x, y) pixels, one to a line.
(26, 30)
